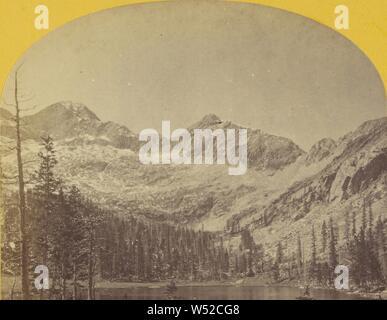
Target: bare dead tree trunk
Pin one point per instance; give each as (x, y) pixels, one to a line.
(13, 287)
(22, 201)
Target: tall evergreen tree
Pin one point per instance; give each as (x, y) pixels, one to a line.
(279, 255)
(299, 257)
(347, 230)
(381, 246)
(354, 229)
(46, 187)
(313, 256)
(332, 255)
(324, 236)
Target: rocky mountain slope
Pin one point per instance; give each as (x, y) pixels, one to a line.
(74, 123)
(264, 151)
(356, 170)
(91, 157)
(283, 193)
(320, 150)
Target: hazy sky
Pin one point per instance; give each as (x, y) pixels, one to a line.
(260, 67)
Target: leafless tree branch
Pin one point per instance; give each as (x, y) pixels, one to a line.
(8, 182)
(4, 176)
(29, 109)
(24, 98)
(9, 104)
(29, 161)
(8, 142)
(11, 148)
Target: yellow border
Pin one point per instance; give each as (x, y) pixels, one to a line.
(368, 25)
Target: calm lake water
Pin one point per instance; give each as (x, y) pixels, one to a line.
(221, 293)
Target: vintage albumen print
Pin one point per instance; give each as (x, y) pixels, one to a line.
(194, 150)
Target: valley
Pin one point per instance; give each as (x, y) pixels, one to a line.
(284, 191)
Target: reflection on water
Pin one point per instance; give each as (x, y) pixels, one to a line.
(221, 293)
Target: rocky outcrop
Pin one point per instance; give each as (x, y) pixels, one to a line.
(359, 165)
(101, 158)
(74, 124)
(320, 150)
(264, 151)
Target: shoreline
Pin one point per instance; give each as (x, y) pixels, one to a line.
(244, 282)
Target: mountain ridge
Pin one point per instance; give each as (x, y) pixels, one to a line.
(77, 124)
(289, 195)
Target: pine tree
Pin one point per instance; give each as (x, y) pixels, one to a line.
(370, 223)
(226, 263)
(313, 258)
(354, 229)
(279, 254)
(46, 187)
(77, 242)
(347, 232)
(248, 245)
(63, 242)
(92, 219)
(324, 236)
(373, 261)
(364, 216)
(300, 264)
(381, 246)
(361, 261)
(353, 251)
(277, 263)
(332, 255)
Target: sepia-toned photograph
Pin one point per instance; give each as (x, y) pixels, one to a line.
(193, 150)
